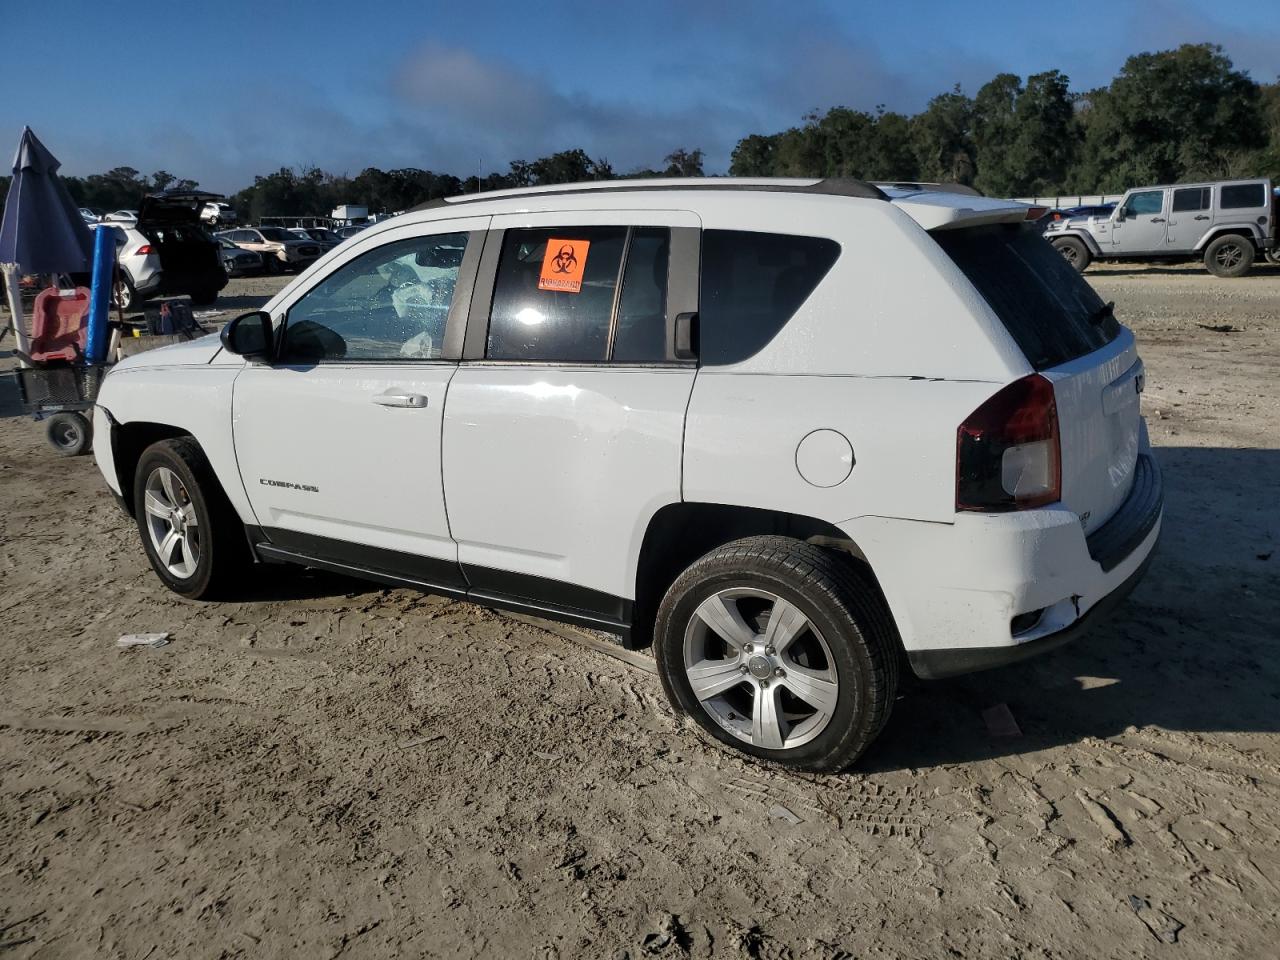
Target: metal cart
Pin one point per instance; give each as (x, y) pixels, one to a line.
(63, 397)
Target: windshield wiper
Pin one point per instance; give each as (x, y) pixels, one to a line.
(1106, 310)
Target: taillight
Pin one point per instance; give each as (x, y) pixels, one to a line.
(144, 250)
(1008, 456)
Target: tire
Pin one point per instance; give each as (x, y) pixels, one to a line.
(271, 265)
(123, 295)
(203, 298)
(1273, 255)
(1075, 252)
(842, 656)
(1230, 255)
(71, 434)
(173, 486)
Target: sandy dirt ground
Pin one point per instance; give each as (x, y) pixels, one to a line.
(336, 770)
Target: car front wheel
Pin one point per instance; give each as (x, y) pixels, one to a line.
(1074, 252)
(780, 649)
(189, 529)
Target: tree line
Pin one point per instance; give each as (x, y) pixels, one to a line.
(1171, 116)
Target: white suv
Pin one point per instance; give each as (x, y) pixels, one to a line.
(785, 431)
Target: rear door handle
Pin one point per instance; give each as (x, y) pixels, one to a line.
(415, 400)
(1157, 219)
(1202, 217)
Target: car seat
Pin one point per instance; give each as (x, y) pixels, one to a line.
(58, 327)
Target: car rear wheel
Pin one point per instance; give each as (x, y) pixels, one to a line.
(189, 529)
(779, 649)
(1229, 256)
(1074, 252)
(122, 293)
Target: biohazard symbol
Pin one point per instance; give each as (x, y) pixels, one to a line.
(563, 265)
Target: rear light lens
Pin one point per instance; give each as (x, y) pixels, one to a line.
(1008, 455)
(143, 250)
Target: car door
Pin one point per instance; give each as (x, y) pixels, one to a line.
(564, 424)
(1139, 223)
(1189, 216)
(338, 441)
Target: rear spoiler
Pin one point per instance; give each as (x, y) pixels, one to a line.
(951, 211)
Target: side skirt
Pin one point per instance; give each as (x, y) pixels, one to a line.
(497, 589)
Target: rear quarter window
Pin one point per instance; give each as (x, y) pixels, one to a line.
(1243, 196)
(751, 285)
(1050, 310)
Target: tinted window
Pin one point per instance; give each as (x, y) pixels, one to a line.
(1196, 198)
(641, 334)
(554, 295)
(389, 304)
(751, 285)
(1243, 196)
(1142, 204)
(1048, 308)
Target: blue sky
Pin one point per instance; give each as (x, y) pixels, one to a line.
(222, 90)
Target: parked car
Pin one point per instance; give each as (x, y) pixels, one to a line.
(346, 233)
(1225, 224)
(90, 216)
(120, 216)
(1088, 210)
(218, 214)
(280, 249)
(166, 252)
(237, 261)
(325, 239)
(675, 411)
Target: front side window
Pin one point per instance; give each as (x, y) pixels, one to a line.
(1243, 196)
(1147, 203)
(388, 304)
(1194, 198)
(752, 284)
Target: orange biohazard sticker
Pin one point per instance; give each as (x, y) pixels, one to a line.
(563, 265)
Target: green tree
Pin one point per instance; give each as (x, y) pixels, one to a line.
(753, 156)
(683, 163)
(942, 139)
(995, 135)
(1167, 116)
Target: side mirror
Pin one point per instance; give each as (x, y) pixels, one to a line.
(250, 336)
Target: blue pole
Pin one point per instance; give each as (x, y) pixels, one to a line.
(104, 258)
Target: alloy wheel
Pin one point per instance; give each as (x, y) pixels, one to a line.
(1229, 255)
(172, 523)
(760, 668)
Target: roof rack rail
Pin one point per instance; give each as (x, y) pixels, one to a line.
(830, 186)
(926, 187)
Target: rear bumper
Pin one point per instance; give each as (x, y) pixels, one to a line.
(954, 589)
(937, 664)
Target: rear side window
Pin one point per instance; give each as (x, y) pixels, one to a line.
(752, 284)
(554, 297)
(1194, 198)
(1048, 308)
(1243, 196)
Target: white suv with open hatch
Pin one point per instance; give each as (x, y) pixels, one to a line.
(784, 431)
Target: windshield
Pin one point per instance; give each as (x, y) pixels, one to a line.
(1050, 310)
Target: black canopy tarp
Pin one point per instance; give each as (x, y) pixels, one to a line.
(42, 230)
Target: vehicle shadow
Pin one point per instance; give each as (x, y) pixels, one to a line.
(1194, 649)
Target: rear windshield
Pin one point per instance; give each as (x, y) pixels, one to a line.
(1050, 310)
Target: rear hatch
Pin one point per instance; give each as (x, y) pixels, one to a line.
(1070, 337)
(190, 258)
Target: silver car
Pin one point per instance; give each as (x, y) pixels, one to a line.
(1225, 224)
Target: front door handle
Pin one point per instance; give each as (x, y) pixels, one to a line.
(415, 400)
(1202, 217)
(1157, 219)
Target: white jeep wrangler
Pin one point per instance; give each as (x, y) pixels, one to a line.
(785, 431)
